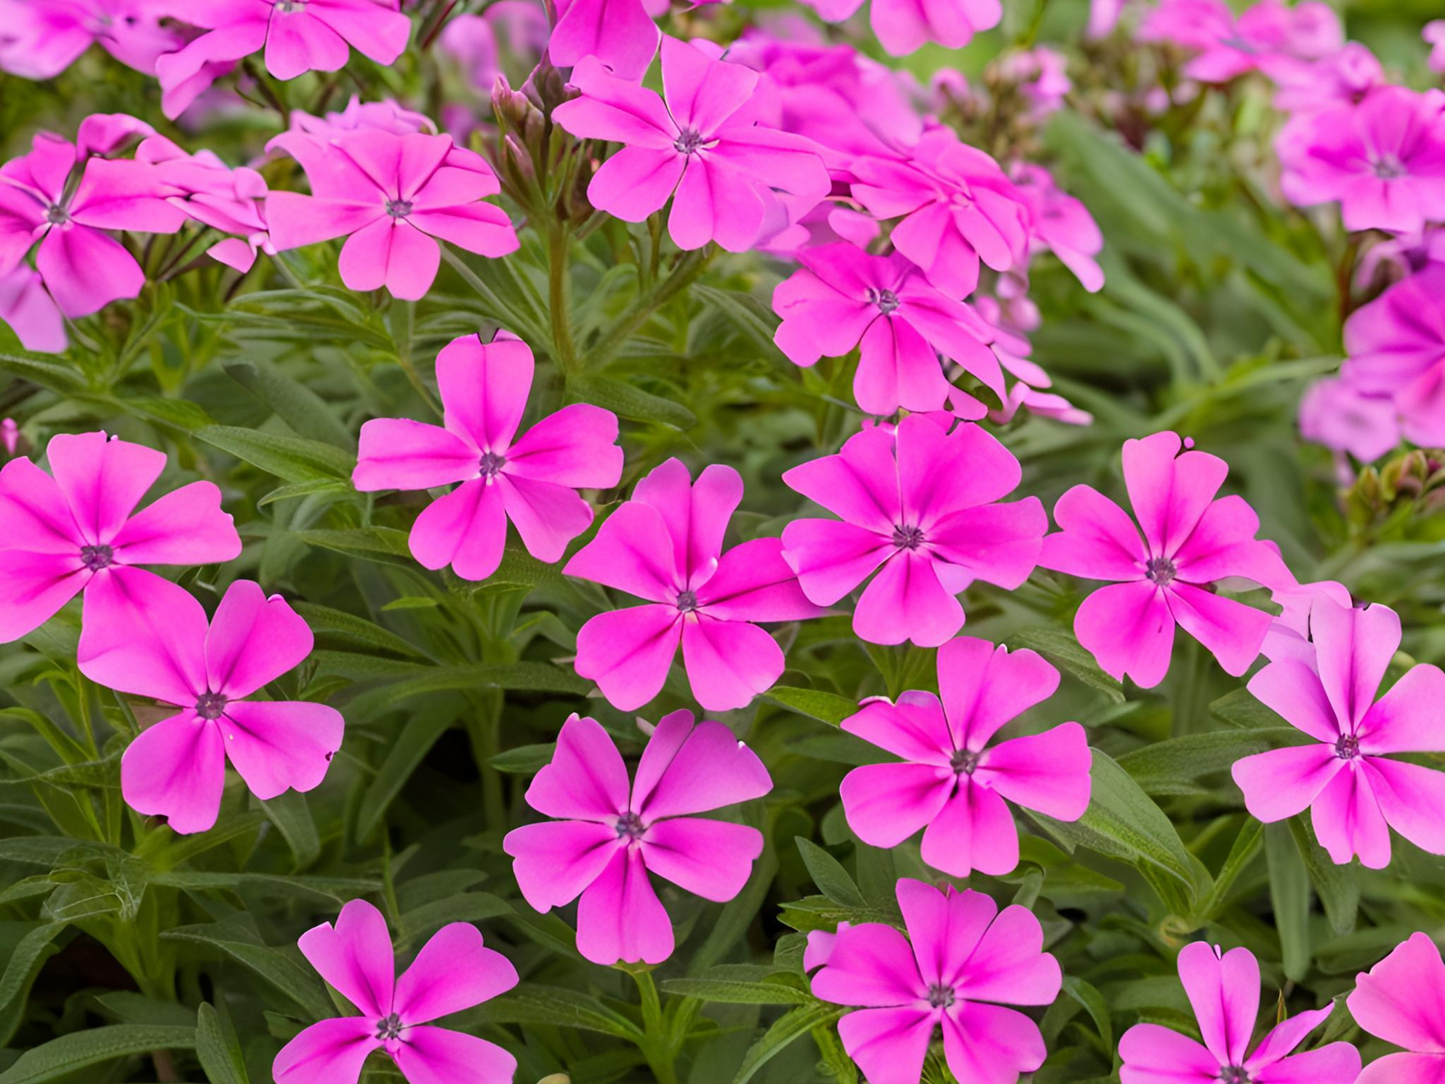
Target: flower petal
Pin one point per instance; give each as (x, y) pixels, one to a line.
(281, 745)
(626, 554)
(586, 778)
(355, 957)
(1402, 998)
(988, 1044)
(329, 1052)
(1047, 772)
(399, 453)
(689, 768)
(176, 769)
(1284, 782)
(728, 662)
(453, 971)
(1129, 630)
(982, 687)
(620, 916)
(871, 965)
(628, 652)
(887, 803)
(576, 447)
(1156, 1055)
(484, 389)
(1348, 821)
(547, 516)
(102, 479)
(429, 1055)
(143, 635)
(711, 859)
(754, 583)
(1097, 539)
(906, 601)
(1169, 491)
(253, 640)
(466, 529)
(888, 1044)
(184, 527)
(1232, 631)
(555, 861)
(975, 831)
(1353, 648)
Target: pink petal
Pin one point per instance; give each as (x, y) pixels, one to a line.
(85, 270)
(1348, 821)
(299, 42)
(975, 831)
(411, 261)
(708, 858)
(466, 529)
(996, 543)
(484, 388)
(887, 803)
(1169, 491)
(555, 861)
(1402, 998)
(898, 368)
(176, 769)
(1129, 630)
(728, 662)
(547, 516)
(628, 653)
(143, 635)
(184, 527)
(1222, 544)
(1224, 991)
(627, 553)
(371, 29)
(714, 202)
(253, 640)
(1156, 1055)
(1009, 963)
(859, 484)
(429, 1055)
(832, 558)
(944, 926)
(701, 92)
(1337, 1063)
(453, 971)
(931, 477)
(871, 965)
(754, 583)
(988, 1043)
(476, 227)
(330, 1052)
(1232, 631)
(33, 588)
(620, 916)
(906, 601)
(1097, 539)
(982, 687)
(102, 480)
(696, 513)
(1353, 649)
(1293, 689)
(635, 182)
(1405, 1069)
(1284, 1037)
(576, 447)
(914, 728)
(619, 33)
(355, 957)
(280, 745)
(1047, 772)
(399, 453)
(34, 509)
(586, 778)
(689, 768)
(890, 1044)
(612, 106)
(1284, 782)
(1407, 718)
(1412, 799)
(294, 220)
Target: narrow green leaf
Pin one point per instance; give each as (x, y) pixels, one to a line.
(629, 402)
(79, 1050)
(416, 739)
(1338, 887)
(291, 459)
(786, 1030)
(815, 703)
(829, 875)
(217, 1048)
(294, 403)
(1289, 893)
(531, 1003)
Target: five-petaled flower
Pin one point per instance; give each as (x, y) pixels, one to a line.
(1402, 1000)
(903, 26)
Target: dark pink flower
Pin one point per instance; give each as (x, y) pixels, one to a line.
(452, 972)
(618, 34)
(1343, 77)
(962, 961)
(385, 115)
(1396, 348)
(1402, 1000)
(39, 39)
(1060, 224)
(212, 193)
(1228, 47)
(609, 835)
(30, 311)
(665, 546)
(903, 26)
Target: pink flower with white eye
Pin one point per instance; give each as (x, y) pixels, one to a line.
(618, 34)
(956, 208)
(531, 480)
(1345, 777)
(921, 507)
(394, 198)
(212, 193)
(150, 638)
(952, 783)
(1402, 1000)
(904, 26)
(30, 311)
(1164, 576)
(76, 529)
(665, 546)
(962, 961)
(39, 39)
(1223, 989)
(609, 835)
(703, 148)
(841, 297)
(452, 972)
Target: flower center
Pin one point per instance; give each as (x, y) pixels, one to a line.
(689, 141)
(940, 996)
(491, 464)
(388, 1028)
(1234, 1074)
(630, 826)
(886, 300)
(1388, 168)
(686, 602)
(286, 7)
(57, 215)
(1160, 571)
(1348, 747)
(96, 557)
(964, 761)
(210, 705)
(397, 208)
(906, 537)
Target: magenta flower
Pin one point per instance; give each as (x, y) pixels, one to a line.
(1335, 413)
(920, 507)
(962, 962)
(1402, 1000)
(609, 835)
(955, 205)
(1345, 777)
(26, 305)
(619, 34)
(1434, 35)
(212, 193)
(150, 638)
(385, 115)
(1223, 988)
(665, 546)
(1264, 34)
(904, 26)
(841, 297)
(39, 39)
(952, 784)
(79, 530)
(1060, 224)
(452, 972)
(393, 197)
(531, 480)
(1189, 542)
(704, 148)
(1396, 347)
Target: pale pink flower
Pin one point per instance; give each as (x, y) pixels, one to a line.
(609, 835)
(39, 39)
(703, 147)
(1103, 17)
(665, 546)
(30, 311)
(452, 972)
(1335, 413)
(531, 480)
(1042, 77)
(1229, 47)
(1402, 1000)
(385, 115)
(904, 26)
(393, 197)
(1289, 635)
(920, 506)
(212, 193)
(1434, 35)
(1223, 989)
(1341, 78)
(79, 531)
(962, 961)
(1345, 777)
(1165, 575)
(952, 784)
(619, 34)
(9, 436)
(1396, 348)
(1060, 224)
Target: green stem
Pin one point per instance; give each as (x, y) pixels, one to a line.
(558, 245)
(687, 268)
(407, 318)
(657, 1046)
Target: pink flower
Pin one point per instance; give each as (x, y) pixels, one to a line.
(1189, 541)
(1230, 47)
(665, 546)
(1060, 224)
(79, 531)
(1354, 792)
(920, 507)
(1382, 160)
(1342, 77)
(39, 39)
(841, 297)
(9, 436)
(1103, 17)
(962, 961)
(1223, 988)
(951, 785)
(619, 34)
(609, 835)
(904, 26)
(531, 480)
(1396, 348)
(704, 148)
(212, 193)
(30, 311)
(1042, 77)
(1434, 35)
(452, 972)
(956, 207)
(385, 116)
(393, 197)
(1336, 414)
(1402, 1000)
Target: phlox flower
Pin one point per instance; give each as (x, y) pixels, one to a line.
(1346, 778)
(28, 308)
(1396, 348)
(1335, 413)
(9, 436)
(962, 961)
(1402, 1000)
(1223, 989)
(1042, 77)
(154, 642)
(1434, 35)
(841, 297)
(952, 783)
(1103, 17)
(1162, 571)
(39, 39)
(393, 197)
(920, 506)
(665, 546)
(452, 972)
(701, 145)
(212, 193)
(76, 529)
(531, 480)
(1289, 634)
(1059, 223)
(609, 835)
(1343, 77)
(471, 40)
(1228, 47)
(385, 115)
(618, 34)
(904, 26)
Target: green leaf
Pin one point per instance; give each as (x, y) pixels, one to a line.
(461, 907)
(45, 371)
(1289, 893)
(337, 627)
(524, 759)
(216, 1046)
(531, 1003)
(1094, 1004)
(1338, 887)
(294, 403)
(1245, 849)
(786, 1030)
(717, 986)
(291, 459)
(79, 1050)
(745, 312)
(539, 677)
(386, 545)
(1241, 709)
(815, 703)
(1174, 766)
(284, 969)
(411, 746)
(1061, 648)
(291, 815)
(829, 875)
(35, 946)
(629, 402)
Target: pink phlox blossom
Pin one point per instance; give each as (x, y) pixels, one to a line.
(473, 40)
(1289, 635)
(1228, 47)
(619, 35)
(211, 192)
(1402, 1000)
(1059, 223)
(28, 308)
(1042, 77)
(1344, 77)
(1336, 413)
(1396, 348)
(385, 115)
(1434, 35)
(1103, 17)
(39, 39)
(904, 26)
(9, 436)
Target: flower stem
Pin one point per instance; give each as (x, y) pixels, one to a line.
(558, 244)
(657, 1046)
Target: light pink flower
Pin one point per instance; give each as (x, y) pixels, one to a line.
(703, 148)
(608, 835)
(1060, 224)
(618, 34)
(30, 311)
(1434, 35)
(39, 39)
(1042, 77)
(952, 783)
(962, 962)
(903, 26)
(1289, 635)
(452, 972)
(531, 480)
(1402, 1000)
(1335, 413)
(1396, 348)
(385, 115)
(921, 507)
(1344, 77)
(841, 297)
(212, 193)
(393, 197)
(79, 531)
(1230, 47)
(1189, 542)
(1103, 17)
(1223, 988)
(9, 436)
(665, 546)
(1345, 777)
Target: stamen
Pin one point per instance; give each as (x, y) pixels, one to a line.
(1348, 747)
(210, 705)
(388, 1028)
(940, 996)
(1160, 571)
(689, 141)
(906, 537)
(964, 761)
(686, 601)
(491, 464)
(630, 826)
(397, 208)
(96, 557)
